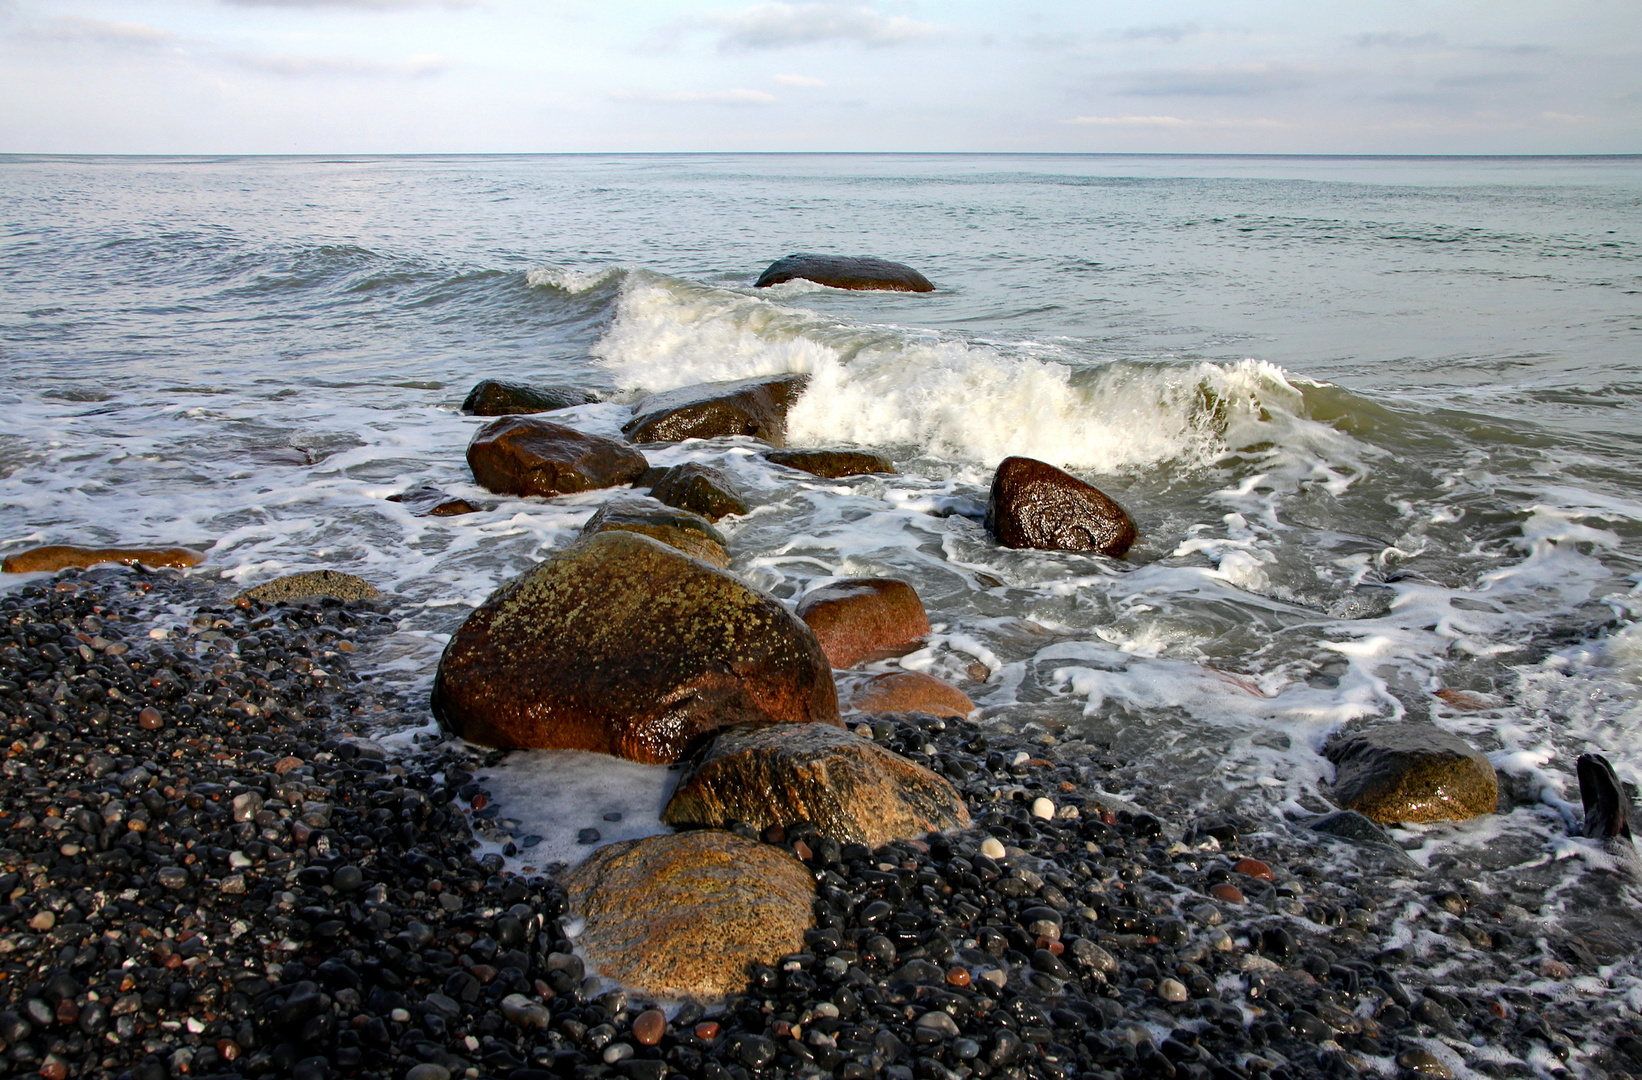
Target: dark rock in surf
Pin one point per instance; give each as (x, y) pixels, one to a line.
(622, 645)
(861, 619)
(832, 464)
(496, 397)
(755, 407)
(861, 272)
(1035, 505)
(1412, 772)
(429, 501)
(690, 533)
(1608, 811)
(1354, 828)
(61, 556)
(519, 455)
(698, 488)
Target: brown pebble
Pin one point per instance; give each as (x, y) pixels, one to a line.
(55, 1068)
(1055, 948)
(774, 834)
(707, 1030)
(649, 1026)
(802, 850)
(286, 764)
(1231, 894)
(480, 801)
(67, 1011)
(229, 1049)
(1254, 868)
(958, 976)
(484, 973)
(150, 719)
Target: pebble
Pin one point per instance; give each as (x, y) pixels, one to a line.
(1172, 990)
(649, 1026)
(1254, 868)
(1043, 809)
(1231, 894)
(149, 719)
(992, 848)
(427, 1070)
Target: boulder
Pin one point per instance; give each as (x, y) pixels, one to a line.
(622, 645)
(428, 501)
(756, 407)
(62, 556)
(312, 585)
(519, 455)
(690, 533)
(845, 272)
(1035, 505)
(860, 619)
(910, 691)
(685, 915)
(832, 464)
(496, 397)
(1411, 772)
(848, 787)
(701, 489)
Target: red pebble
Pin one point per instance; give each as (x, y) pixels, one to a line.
(1055, 948)
(229, 1049)
(958, 977)
(802, 850)
(150, 719)
(1254, 868)
(67, 1012)
(774, 834)
(55, 1068)
(707, 1030)
(649, 1026)
(480, 801)
(1231, 894)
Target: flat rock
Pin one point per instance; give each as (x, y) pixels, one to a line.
(756, 407)
(699, 488)
(428, 501)
(622, 645)
(860, 272)
(910, 691)
(832, 464)
(848, 787)
(690, 533)
(498, 397)
(62, 556)
(685, 915)
(860, 619)
(1035, 505)
(312, 585)
(520, 455)
(1412, 772)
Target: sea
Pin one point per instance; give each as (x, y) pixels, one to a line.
(1377, 420)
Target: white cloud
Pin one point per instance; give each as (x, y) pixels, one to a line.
(294, 66)
(697, 97)
(799, 80)
(127, 35)
(783, 25)
(1173, 122)
(360, 5)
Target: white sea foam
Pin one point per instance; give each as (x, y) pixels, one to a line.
(571, 281)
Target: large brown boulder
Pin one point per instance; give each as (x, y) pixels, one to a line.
(910, 691)
(698, 488)
(685, 915)
(848, 787)
(621, 645)
(1412, 772)
(832, 464)
(845, 272)
(862, 619)
(62, 556)
(520, 455)
(1035, 505)
(756, 407)
(690, 533)
(497, 397)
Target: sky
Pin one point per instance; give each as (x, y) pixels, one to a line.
(528, 76)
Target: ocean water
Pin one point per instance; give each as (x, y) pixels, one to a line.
(1376, 419)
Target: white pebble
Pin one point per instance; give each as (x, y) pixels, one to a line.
(400, 1016)
(159, 633)
(992, 848)
(1043, 809)
(1172, 990)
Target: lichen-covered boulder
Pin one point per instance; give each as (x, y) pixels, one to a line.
(754, 407)
(1035, 505)
(861, 619)
(1412, 772)
(910, 691)
(312, 585)
(690, 533)
(860, 272)
(55, 557)
(498, 397)
(521, 455)
(832, 464)
(623, 645)
(848, 787)
(699, 488)
(686, 915)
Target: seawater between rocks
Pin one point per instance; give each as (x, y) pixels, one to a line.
(1374, 419)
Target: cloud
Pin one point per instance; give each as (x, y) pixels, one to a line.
(358, 5)
(123, 35)
(1241, 80)
(302, 67)
(1391, 39)
(1172, 33)
(697, 97)
(783, 25)
(799, 80)
(1173, 122)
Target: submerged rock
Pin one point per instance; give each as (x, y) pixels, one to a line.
(847, 787)
(1412, 772)
(911, 691)
(429, 501)
(622, 645)
(312, 585)
(690, 533)
(497, 397)
(519, 455)
(831, 464)
(860, 619)
(1352, 827)
(685, 915)
(859, 272)
(756, 407)
(1035, 505)
(699, 488)
(62, 556)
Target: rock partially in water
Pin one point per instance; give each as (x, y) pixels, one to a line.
(1607, 811)
(753, 407)
(1035, 505)
(832, 464)
(1412, 772)
(684, 916)
(910, 691)
(849, 788)
(428, 501)
(860, 619)
(312, 585)
(498, 397)
(698, 488)
(859, 272)
(690, 533)
(519, 455)
(622, 645)
(54, 557)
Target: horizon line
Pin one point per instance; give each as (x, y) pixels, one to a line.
(345, 154)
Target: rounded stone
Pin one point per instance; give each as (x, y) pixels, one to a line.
(992, 848)
(854, 272)
(521, 455)
(1412, 772)
(831, 464)
(910, 691)
(312, 585)
(861, 619)
(54, 557)
(1035, 505)
(688, 532)
(1043, 809)
(1254, 868)
(741, 407)
(1172, 990)
(649, 1026)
